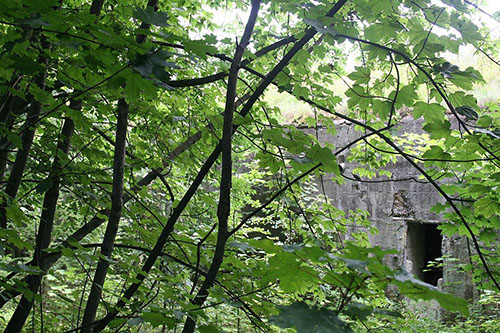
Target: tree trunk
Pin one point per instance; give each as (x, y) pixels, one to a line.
(224, 206)
(14, 106)
(45, 229)
(96, 6)
(114, 218)
(28, 133)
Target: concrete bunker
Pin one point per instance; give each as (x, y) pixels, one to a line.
(424, 247)
(402, 213)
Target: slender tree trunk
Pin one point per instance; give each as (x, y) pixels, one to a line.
(117, 201)
(224, 206)
(7, 100)
(11, 107)
(44, 235)
(96, 7)
(14, 106)
(28, 133)
(114, 219)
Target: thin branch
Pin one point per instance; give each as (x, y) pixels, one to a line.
(496, 62)
(219, 76)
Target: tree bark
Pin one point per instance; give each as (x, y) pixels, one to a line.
(13, 107)
(114, 218)
(44, 235)
(224, 205)
(117, 202)
(28, 133)
(96, 7)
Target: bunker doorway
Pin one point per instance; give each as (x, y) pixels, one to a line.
(424, 246)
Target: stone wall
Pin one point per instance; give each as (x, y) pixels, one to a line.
(401, 213)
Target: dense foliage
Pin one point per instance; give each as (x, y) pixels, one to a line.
(118, 213)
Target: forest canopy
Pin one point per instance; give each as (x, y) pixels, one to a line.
(144, 155)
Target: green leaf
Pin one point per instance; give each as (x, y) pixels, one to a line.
(484, 121)
(151, 66)
(34, 22)
(133, 87)
(292, 247)
(446, 69)
(14, 139)
(486, 207)
(309, 319)
(324, 156)
(265, 244)
(155, 318)
(361, 75)
(15, 214)
(438, 129)
(293, 275)
(407, 95)
(358, 311)
(135, 321)
(240, 245)
(149, 16)
(320, 27)
(385, 312)
(199, 47)
(44, 185)
(117, 322)
(436, 152)
(354, 264)
(381, 6)
(466, 79)
(432, 112)
(382, 108)
(13, 237)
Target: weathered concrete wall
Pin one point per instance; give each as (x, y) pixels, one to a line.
(395, 208)
(457, 280)
(404, 200)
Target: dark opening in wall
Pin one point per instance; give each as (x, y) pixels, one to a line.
(424, 245)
